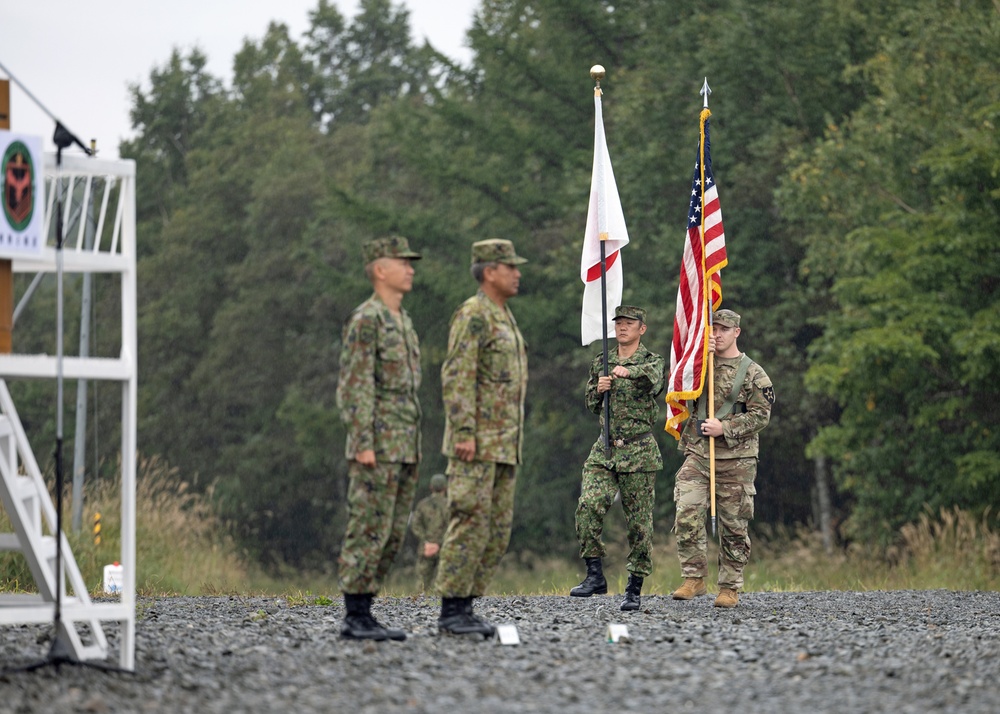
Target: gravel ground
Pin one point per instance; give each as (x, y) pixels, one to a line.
(904, 651)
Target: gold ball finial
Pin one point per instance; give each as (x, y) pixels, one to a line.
(597, 73)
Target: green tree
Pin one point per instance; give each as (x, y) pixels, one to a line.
(251, 223)
(247, 290)
(167, 118)
(898, 207)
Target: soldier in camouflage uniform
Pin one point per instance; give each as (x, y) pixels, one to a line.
(483, 382)
(635, 378)
(743, 399)
(377, 398)
(429, 523)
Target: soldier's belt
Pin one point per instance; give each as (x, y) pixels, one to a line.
(619, 443)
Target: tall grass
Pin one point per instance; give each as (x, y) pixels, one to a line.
(951, 549)
(181, 546)
(183, 549)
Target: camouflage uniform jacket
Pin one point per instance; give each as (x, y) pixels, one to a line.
(379, 378)
(430, 520)
(751, 413)
(483, 381)
(633, 410)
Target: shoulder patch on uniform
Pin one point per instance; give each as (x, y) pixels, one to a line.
(768, 393)
(477, 325)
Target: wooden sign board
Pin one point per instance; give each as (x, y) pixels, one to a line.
(4, 104)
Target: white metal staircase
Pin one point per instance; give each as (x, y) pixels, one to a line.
(33, 517)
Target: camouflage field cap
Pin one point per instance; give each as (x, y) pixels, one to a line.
(631, 312)
(388, 247)
(726, 317)
(439, 482)
(495, 250)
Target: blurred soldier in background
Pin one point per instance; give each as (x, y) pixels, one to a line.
(429, 523)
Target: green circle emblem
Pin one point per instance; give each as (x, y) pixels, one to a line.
(18, 185)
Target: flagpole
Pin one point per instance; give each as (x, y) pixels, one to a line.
(597, 74)
(705, 91)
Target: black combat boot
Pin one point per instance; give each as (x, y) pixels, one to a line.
(358, 621)
(391, 633)
(632, 590)
(594, 583)
(455, 620)
(485, 626)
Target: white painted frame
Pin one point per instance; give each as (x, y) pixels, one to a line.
(115, 256)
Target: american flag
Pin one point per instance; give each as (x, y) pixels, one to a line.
(704, 256)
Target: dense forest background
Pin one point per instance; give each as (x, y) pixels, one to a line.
(857, 152)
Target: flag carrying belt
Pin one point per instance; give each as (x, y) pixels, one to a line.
(727, 406)
(621, 442)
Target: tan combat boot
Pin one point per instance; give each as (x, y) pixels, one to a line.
(692, 588)
(727, 598)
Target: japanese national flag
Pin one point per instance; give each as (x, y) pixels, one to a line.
(605, 223)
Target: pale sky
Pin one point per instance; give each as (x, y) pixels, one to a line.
(77, 57)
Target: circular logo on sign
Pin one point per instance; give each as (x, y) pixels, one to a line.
(18, 184)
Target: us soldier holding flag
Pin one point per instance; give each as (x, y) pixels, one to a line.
(721, 445)
(744, 396)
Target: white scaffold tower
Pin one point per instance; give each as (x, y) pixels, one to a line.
(105, 190)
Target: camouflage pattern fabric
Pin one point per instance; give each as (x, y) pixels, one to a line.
(740, 430)
(388, 247)
(597, 494)
(734, 492)
(632, 312)
(496, 250)
(378, 505)
(630, 467)
(377, 399)
(633, 408)
(735, 471)
(481, 504)
(379, 378)
(726, 317)
(483, 381)
(427, 571)
(429, 523)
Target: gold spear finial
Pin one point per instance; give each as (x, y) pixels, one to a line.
(597, 74)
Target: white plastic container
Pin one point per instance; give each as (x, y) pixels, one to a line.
(114, 578)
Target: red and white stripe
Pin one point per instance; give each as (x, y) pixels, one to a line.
(704, 256)
(605, 222)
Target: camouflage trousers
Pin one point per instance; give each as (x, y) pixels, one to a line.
(734, 492)
(426, 571)
(597, 494)
(379, 499)
(481, 509)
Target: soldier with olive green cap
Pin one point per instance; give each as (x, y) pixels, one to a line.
(483, 383)
(743, 399)
(377, 399)
(629, 467)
